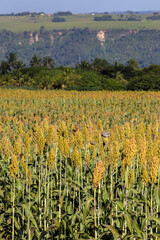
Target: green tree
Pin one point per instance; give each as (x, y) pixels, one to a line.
(13, 63)
(99, 64)
(4, 67)
(48, 62)
(84, 65)
(36, 61)
(120, 78)
(132, 63)
(12, 59)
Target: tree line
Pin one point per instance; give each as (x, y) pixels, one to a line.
(99, 74)
(109, 18)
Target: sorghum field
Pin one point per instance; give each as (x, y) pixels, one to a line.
(79, 165)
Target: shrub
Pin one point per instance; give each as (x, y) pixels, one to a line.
(58, 19)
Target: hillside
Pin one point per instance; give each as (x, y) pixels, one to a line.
(68, 47)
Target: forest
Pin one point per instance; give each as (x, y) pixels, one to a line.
(70, 47)
(100, 74)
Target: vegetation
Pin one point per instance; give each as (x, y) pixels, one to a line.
(72, 42)
(109, 18)
(23, 14)
(68, 13)
(33, 22)
(104, 18)
(58, 19)
(70, 47)
(154, 17)
(79, 165)
(97, 75)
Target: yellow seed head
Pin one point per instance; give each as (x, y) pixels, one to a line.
(26, 142)
(128, 154)
(51, 159)
(17, 148)
(100, 125)
(88, 159)
(23, 165)
(61, 145)
(14, 166)
(63, 131)
(96, 137)
(39, 139)
(139, 141)
(72, 140)
(51, 135)
(45, 125)
(128, 132)
(76, 158)
(142, 153)
(5, 147)
(149, 153)
(79, 139)
(140, 130)
(98, 173)
(129, 151)
(94, 154)
(145, 175)
(85, 135)
(131, 176)
(19, 128)
(154, 170)
(115, 136)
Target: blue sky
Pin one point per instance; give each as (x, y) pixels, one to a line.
(77, 6)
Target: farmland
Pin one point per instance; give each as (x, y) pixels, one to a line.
(19, 24)
(79, 165)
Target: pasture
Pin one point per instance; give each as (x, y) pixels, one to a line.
(19, 24)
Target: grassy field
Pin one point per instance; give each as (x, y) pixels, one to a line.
(27, 23)
(79, 165)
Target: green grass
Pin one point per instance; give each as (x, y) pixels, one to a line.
(27, 23)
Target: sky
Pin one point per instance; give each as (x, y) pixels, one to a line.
(77, 6)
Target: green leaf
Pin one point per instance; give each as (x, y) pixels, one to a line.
(136, 228)
(129, 222)
(104, 194)
(17, 224)
(86, 208)
(154, 219)
(113, 231)
(130, 237)
(1, 218)
(30, 215)
(120, 205)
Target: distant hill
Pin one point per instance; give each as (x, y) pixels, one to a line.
(68, 47)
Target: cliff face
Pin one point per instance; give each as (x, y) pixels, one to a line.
(69, 47)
